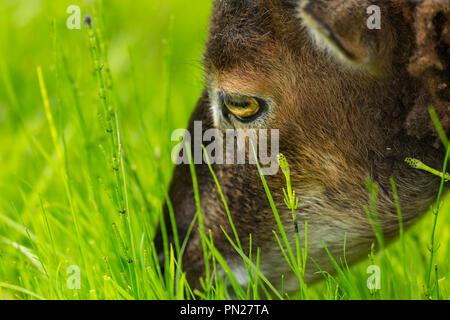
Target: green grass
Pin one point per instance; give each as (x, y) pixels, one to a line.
(85, 123)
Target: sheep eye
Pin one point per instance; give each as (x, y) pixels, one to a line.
(243, 108)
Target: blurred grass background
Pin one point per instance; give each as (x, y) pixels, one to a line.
(56, 212)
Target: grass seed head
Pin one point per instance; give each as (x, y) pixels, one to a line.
(284, 165)
(88, 21)
(414, 163)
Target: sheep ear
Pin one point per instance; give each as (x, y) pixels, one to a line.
(351, 30)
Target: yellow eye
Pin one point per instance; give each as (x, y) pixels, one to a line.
(244, 107)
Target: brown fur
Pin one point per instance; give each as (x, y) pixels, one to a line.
(340, 122)
(429, 65)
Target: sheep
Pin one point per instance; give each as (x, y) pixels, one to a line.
(350, 102)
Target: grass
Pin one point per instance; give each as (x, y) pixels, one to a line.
(85, 120)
